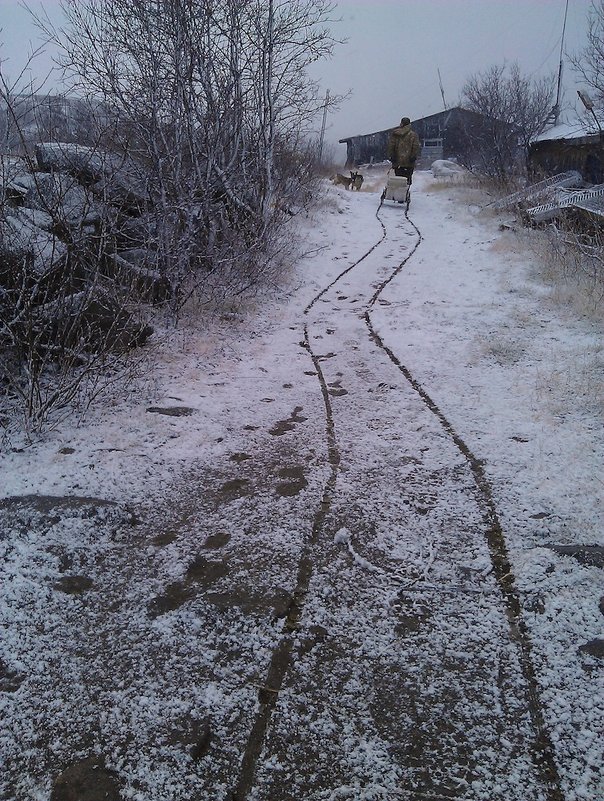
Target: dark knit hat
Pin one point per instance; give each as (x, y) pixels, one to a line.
(405, 121)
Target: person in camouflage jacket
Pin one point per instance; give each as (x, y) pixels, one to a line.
(403, 149)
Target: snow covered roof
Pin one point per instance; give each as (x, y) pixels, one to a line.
(576, 129)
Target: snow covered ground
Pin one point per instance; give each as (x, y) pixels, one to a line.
(336, 545)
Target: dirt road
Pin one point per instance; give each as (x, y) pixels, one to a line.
(403, 668)
(330, 613)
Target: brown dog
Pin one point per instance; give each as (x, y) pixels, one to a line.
(341, 179)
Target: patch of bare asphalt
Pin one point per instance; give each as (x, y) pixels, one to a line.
(235, 488)
(593, 648)
(336, 390)
(10, 679)
(294, 482)
(52, 505)
(73, 585)
(217, 540)
(284, 426)
(587, 555)
(200, 575)
(240, 457)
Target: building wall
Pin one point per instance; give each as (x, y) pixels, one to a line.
(559, 155)
(367, 149)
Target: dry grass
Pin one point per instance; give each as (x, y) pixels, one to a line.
(571, 266)
(564, 276)
(581, 388)
(503, 350)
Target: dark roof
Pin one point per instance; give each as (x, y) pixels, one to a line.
(419, 119)
(375, 133)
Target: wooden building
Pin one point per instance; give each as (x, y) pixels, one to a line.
(574, 146)
(443, 136)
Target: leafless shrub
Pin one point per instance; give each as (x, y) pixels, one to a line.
(589, 63)
(513, 109)
(571, 263)
(66, 325)
(196, 160)
(66, 331)
(211, 106)
(578, 259)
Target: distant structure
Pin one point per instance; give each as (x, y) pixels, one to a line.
(574, 146)
(443, 136)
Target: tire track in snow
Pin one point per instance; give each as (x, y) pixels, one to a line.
(502, 569)
(349, 269)
(282, 656)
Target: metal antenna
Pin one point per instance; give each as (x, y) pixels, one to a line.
(556, 109)
(442, 91)
(552, 117)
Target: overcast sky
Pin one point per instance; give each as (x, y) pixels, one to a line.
(394, 48)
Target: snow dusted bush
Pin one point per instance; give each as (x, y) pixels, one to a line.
(513, 108)
(65, 324)
(211, 104)
(576, 260)
(196, 158)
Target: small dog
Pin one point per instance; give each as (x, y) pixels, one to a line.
(341, 179)
(357, 180)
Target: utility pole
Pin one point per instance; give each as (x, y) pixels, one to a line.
(323, 126)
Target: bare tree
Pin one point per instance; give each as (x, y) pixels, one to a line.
(589, 63)
(204, 95)
(513, 109)
(196, 119)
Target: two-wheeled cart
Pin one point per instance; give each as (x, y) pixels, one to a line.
(397, 189)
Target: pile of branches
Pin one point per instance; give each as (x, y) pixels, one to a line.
(70, 302)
